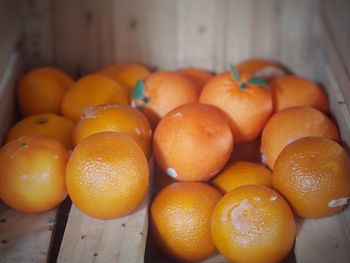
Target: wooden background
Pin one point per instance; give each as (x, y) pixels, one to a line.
(311, 37)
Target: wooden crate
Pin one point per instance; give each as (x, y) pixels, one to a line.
(310, 37)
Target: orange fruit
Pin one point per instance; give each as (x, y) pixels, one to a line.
(116, 118)
(313, 174)
(291, 124)
(126, 74)
(254, 224)
(180, 220)
(32, 173)
(42, 90)
(47, 124)
(242, 173)
(266, 69)
(193, 142)
(164, 91)
(247, 107)
(198, 76)
(107, 175)
(292, 91)
(89, 91)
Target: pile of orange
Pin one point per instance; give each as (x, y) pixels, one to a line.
(238, 154)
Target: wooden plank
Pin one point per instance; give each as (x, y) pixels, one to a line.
(23, 237)
(9, 31)
(87, 239)
(336, 36)
(37, 33)
(201, 34)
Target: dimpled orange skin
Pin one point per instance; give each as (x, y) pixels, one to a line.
(266, 69)
(180, 220)
(42, 90)
(312, 173)
(247, 110)
(242, 173)
(253, 224)
(116, 118)
(107, 175)
(193, 142)
(89, 91)
(293, 91)
(32, 173)
(166, 90)
(47, 124)
(198, 76)
(291, 124)
(126, 74)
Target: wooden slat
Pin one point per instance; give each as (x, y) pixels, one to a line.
(87, 239)
(23, 237)
(37, 33)
(201, 34)
(9, 31)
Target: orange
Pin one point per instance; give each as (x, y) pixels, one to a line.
(291, 124)
(42, 90)
(266, 69)
(162, 92)
(242, 173)
(107, 175)
(89, 91)
(47, 124)
(193, 142)
(247, 106)
(180, 220)
(313, 173)
(32, 173)
(116, 118)
(126, 74)
(292, 91)
(198, 76)
(254, 224)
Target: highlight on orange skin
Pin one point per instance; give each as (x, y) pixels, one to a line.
(247, 109)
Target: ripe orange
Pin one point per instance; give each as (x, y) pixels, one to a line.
(248, 107)
(254, 224)
(89, 91)
(266, 69)
(107, 175)
(116, 118)
(242, 173)
(291, 124)
(162, 92)
(193, 142)
(42, 90)
(292, 91)
(198, 76)
(47, 124)
(32, 173)
(180, 220)
(126, 74)
(314, 175)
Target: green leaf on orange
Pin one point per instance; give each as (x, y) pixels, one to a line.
(257, 81)
(139, 90)
(235, 73)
